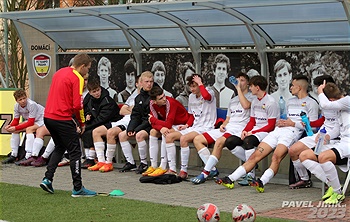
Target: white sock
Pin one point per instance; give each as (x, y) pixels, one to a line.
(185, 156)
(163, 154)
(171, 154)
(211, 163)
(299, 167)
(100, 148)
(142, 145)
(267, 176)
(153, 151)
(127, 151)
(238, 173)
(316, 169)
(331, 175)
(252, 173)
(110, 152)
(86, 151)
(49, 149)
(239, 152)
(14, 144)
(91, 154)
(248, 153)
(204, 154)
(37, 145)
(29, 145)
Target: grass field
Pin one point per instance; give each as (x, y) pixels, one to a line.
(23, 203)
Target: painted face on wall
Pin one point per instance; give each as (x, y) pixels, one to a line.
(103, 72)
(159, 78)
(220, 72)
(283, 78)
(130, 80)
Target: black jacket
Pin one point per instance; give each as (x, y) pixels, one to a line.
(102, 110)
(139, 114)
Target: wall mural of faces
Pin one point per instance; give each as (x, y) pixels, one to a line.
(171, 69)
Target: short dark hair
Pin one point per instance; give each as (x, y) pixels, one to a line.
(93, 83)
(259, 81)
(130, 66)
(154, 92)
(190, 79)
(319, 79)
(301, 77)
(243, 75)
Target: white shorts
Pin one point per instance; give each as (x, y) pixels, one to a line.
(39, 122)
(309, 141)
(216, 133)
(284, 135)
(198, 130)
(124, 122)
(343, 149)
(260, 135)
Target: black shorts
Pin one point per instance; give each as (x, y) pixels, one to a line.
(338, 159)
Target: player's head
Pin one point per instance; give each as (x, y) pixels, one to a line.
(82, 63)
(94, 87)
(243, 80)
(300, 83)
(21, 97)
(157, 95)
(147, 80)
(332, 91)
(258, 82)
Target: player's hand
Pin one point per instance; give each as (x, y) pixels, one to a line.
(182, 127)
(88, 117)
(149, 118)
(244, 134)
(321, 87)
(165, 131)
(11, 129)
(222, 128)
(197, 80)
(82, 130)
(131, 133)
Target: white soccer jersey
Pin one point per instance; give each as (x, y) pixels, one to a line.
(239, 116)
(306, 104)
(131, 99)
(331, 122)
(343, 105)
(31, 110)
(204, 111)
(262, 110)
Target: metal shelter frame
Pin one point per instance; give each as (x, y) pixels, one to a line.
(197, 26)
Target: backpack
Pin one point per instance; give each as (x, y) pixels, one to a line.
(163, 179)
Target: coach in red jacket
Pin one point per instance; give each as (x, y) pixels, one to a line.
(63, 101)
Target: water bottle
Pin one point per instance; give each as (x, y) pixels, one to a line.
(233, 80)
(320, 141)
(306, 121)
(283, 109)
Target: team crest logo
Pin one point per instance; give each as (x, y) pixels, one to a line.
(303, 104)
(42, 64)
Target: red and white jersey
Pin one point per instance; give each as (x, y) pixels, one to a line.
(204, 111)
(239, 116)
(31, 110)
(262, 110)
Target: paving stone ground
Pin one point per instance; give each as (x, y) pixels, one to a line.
(267, 204)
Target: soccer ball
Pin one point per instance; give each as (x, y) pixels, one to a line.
(243, 212)
(208, 213)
